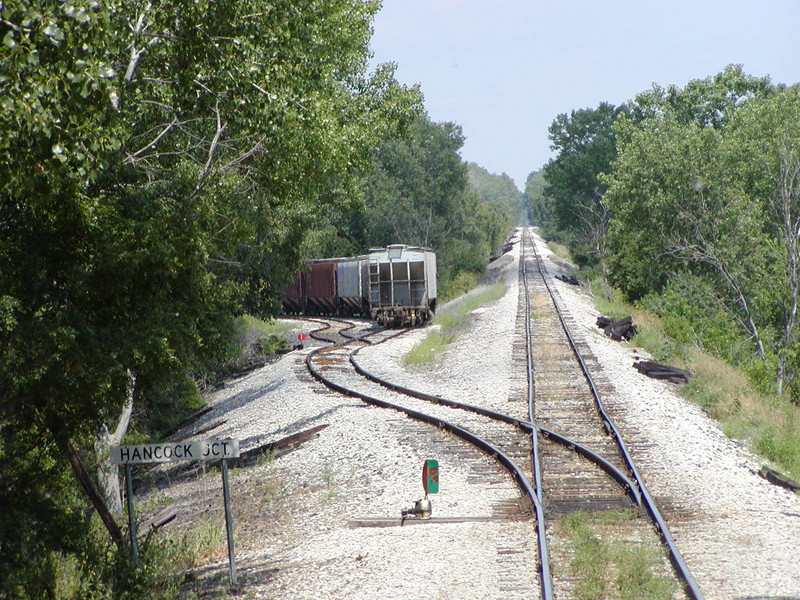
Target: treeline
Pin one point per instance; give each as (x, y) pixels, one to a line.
(164, 168)
(688, 200)
(419, 191)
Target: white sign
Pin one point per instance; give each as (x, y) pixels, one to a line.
(157, 453)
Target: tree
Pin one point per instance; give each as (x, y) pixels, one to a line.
(764, 144)
(711, 204)
(709, 102)
(501, 196)
(584, 141)
(540, 210)
(158, 165)
(416, 185)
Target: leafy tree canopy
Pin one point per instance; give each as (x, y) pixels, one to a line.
(159, 165)
(585, 145)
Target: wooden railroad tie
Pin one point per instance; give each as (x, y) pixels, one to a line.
(658, 371)
(776, 478)
(570, 279)
(623, 329)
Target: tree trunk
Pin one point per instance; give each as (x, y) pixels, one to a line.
(84, 478)
(108, 474)
(788, 208)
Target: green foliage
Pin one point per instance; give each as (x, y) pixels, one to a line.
(691, 315)
(708, 102)
(612, 567)
(571, 203)
(159, 167)
(539, 208)
(458, 285)
(505, 203)
(417, 192)
(701, 202)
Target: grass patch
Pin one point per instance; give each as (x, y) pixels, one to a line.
(97, 571)
(449, 321)
(560, 250)
(606, 566)
(264, 337)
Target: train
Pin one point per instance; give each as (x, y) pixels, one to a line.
(395, 286)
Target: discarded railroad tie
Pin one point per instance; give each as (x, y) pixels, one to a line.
(623, 329)
(659, 371)
(570, 279)
(776, 478)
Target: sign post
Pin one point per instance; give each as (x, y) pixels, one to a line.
(131, 517)
(226, 499)
(199, 450)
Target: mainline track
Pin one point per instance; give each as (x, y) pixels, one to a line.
(561, 458)
(579, 429)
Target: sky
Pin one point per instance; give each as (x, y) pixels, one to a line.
(504, 69)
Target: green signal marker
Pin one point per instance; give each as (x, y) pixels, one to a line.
(430, 476)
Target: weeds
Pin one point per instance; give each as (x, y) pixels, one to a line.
(99, 571)
(448, 322)
(560, 250)
(607, 566)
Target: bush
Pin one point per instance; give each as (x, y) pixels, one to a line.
(460, 284)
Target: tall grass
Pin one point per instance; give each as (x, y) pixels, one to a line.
(449, 321)
(98, 571)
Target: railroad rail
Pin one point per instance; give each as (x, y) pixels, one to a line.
(559, 462)
(556, 400)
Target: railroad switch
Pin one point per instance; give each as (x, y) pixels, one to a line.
(421, 510)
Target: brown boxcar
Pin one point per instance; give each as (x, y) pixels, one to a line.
(293, 296)
(321, 297)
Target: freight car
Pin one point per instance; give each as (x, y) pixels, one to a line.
(396, 286)
(402, 285)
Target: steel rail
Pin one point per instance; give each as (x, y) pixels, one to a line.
(536, 463)
(527, 426)
(676, 558)
(545, 577)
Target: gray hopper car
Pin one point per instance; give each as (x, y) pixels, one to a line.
(395, 286)
(402, 285)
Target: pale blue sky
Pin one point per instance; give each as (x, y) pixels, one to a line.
(503, 69)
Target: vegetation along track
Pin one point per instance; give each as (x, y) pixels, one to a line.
(581, 462)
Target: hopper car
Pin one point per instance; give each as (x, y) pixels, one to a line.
(395, 286)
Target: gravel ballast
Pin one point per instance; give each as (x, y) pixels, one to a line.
(739, 534)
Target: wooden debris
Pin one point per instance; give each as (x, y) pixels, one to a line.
(278, 448)
(623, 329)
(157, 521)
(659, 371)
(285, 445)
(570, 279)
(190, 419)
(208, 428)
(777, 479)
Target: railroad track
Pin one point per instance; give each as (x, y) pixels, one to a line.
(564, 456)
(563, 397)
